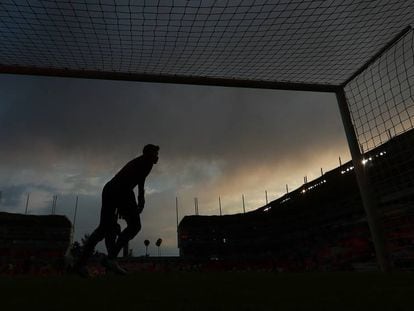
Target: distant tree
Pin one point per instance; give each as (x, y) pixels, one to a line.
(146, 243)
(158, 244)
(76, 249)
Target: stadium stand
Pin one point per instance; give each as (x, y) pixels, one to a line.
(28, 240)
(319, 226)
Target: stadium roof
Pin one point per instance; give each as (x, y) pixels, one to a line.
(295, 44)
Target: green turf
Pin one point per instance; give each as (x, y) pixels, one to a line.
(212, 291)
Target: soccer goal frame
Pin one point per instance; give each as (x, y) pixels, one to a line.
(64, 28)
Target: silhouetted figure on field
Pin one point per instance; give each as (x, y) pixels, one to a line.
(118, 197)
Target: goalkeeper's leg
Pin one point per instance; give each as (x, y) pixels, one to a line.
(133, 227)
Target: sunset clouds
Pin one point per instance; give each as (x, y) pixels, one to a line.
(67, 137)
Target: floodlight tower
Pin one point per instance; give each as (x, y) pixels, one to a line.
(27, 203)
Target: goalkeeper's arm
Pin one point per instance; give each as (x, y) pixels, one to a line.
(141, 196)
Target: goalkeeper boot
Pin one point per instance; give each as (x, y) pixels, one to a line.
(113, 266)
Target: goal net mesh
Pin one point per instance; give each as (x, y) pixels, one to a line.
(301, 41)
(381, 103)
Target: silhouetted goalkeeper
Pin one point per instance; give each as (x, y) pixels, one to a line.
(118, 197)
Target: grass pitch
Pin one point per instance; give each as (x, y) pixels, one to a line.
(211, 291)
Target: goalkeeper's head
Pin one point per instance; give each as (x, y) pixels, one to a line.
(150, 151)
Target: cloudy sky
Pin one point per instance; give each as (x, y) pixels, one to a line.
(68, 137)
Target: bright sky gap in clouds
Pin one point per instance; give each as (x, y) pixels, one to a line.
(68, 137)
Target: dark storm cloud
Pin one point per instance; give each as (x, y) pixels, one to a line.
(100, 120)
(11, 196)
(14, 196)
